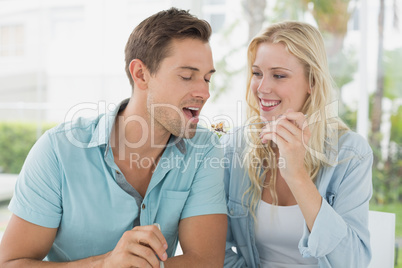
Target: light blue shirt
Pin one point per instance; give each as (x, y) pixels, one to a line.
(68, 182)
(340, 236)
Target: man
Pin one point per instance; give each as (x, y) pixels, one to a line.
(92, 192)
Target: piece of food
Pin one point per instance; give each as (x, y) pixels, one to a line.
(218, 128)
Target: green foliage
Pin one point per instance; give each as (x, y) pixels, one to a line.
(387, 184)
(349, 116)
(387, 174)
(380, 186)
(343, 66)
(16, 139)
(323, 7)
(288, 10)
(396, 126)
(393, 74)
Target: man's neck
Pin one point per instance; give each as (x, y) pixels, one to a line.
(132, 134)
(136, 147)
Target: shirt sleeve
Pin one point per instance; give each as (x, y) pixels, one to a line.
(232, 259)
(340, 236)
(37, 196)
(233, 256)
(207, 195)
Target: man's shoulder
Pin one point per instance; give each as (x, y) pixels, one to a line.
(80, 123)
(80, 130)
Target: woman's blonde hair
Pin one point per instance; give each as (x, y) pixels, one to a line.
(306, 44)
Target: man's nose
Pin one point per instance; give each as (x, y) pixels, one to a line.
(201, 90)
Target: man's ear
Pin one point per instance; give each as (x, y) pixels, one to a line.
(138, 73)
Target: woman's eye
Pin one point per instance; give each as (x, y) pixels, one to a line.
(257, 74)
(185, 78)
(279, 76)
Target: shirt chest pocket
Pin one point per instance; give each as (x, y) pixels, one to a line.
(170, 209)
(239, 222)
(237, 210)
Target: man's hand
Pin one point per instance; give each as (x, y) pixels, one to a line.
(138, 247)
(25, 244)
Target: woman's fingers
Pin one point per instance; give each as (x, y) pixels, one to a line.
(291, 126)
(283, 128)
(302, 123)
(298, 119)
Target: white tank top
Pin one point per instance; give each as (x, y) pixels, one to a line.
(278, 231)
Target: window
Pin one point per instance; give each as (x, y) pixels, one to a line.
(214, 2)
(12, 40)
(67, 22)
(215, 13)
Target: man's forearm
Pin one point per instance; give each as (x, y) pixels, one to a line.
(91, 262)
(194, 261)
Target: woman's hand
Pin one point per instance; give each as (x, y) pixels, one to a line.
(291, 134)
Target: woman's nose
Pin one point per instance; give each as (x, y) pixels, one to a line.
(264, 86)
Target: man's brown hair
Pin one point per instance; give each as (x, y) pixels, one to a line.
(150, 41)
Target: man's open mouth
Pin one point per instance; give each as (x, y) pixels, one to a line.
(191, 112)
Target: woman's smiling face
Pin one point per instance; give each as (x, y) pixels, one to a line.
(278, 82)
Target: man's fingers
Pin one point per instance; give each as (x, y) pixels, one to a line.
(152, 237)
(160, 235)
(145, 253)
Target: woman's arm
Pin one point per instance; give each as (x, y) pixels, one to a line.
(340, 236)
(336, 214)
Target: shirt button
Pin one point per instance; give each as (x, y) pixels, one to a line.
(118, 172)
(231, 212)
(143, 206)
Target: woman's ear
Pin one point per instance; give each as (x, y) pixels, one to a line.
(311, 86)
(138, 73)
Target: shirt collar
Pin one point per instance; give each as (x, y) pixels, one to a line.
(102, 132)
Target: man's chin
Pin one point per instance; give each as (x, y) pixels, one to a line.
(190, 131)
(185, 132)
(189, 135)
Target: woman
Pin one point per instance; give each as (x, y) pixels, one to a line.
(301, 197)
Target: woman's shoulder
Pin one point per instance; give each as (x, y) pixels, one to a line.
(352, 141)
(346, 145)
(351, 155)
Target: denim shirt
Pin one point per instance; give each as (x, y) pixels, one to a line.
(340, 236)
